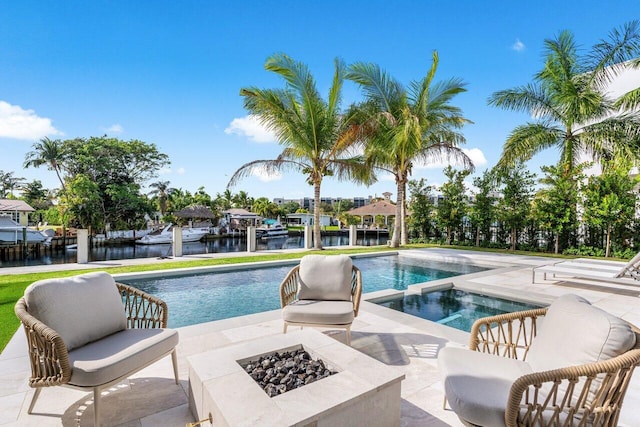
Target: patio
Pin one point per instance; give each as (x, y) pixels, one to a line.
(405, 343)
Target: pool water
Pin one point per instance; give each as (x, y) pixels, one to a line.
(454, 307)
(200, 298)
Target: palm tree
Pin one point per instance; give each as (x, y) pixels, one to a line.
(242, 200)
(225, 200)
(571, 109)
(402, 126)
(9, 183)
(312, 131)
(47, 152)
(162, 191)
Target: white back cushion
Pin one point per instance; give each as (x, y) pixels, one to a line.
(325, 277)
(81, 308)
(574, 333)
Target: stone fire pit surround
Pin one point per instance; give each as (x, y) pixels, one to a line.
(364, 392)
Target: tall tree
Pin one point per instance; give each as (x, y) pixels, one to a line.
(9, 183)
(482, 211)
(515, 205)
(610, 201)
(422, 208)
(161, 191)
(107, 174)
(312, 131)
(452, 209)
(568, 101)
(554, 205)
(403, 126)
(47, 152)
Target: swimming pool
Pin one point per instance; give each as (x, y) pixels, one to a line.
(199, 298)
(454, 307)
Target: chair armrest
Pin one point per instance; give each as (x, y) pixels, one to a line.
(508, 335)
(142, 309)
(289, 287)
(566, 391)
(48, 354)
(356, 289)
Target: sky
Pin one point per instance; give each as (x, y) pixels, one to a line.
(170, 73)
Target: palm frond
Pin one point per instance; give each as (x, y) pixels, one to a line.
(527, 140)
(609, 57)
(531, 98)
(378, 86)
(630, 101)
(269, 167)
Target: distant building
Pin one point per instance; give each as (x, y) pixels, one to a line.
(17, 210)
(307, 202)
(239, 219)
(307, 219)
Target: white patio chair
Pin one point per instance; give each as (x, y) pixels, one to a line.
(88, 332)
(573, 372)
(322, 291)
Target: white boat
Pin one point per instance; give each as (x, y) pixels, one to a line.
(274, 230)
(166, 236)
(12, 232)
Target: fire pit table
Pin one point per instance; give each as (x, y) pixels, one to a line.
(360, 391)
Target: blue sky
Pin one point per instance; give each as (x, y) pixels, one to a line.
(169, 72)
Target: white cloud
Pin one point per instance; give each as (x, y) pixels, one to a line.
(475, 154)
(180, 171)
(115, 128)
(262, 175)
(518, 46)
(164, 171)
(250, 127)
(23, 124)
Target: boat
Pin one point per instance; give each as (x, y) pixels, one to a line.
(166, 236)
(274, 230)
(12, 232)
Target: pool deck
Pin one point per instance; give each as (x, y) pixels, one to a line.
(406, 343)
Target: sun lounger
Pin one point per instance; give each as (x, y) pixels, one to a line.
(581, 268)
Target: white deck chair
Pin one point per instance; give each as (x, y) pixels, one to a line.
(611, 271)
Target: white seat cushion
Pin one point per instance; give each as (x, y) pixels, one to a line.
(119, 355)
(574, 333)
(319, 312)
(81, 308)
(325, 277)
(477, 384)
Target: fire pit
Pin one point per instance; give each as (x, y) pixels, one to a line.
(284, 370)
(359, 391)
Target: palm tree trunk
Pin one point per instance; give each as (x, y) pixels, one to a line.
(448, 241)
(608, 247)
(513, 239)
(477, 235)
(557, 244)
(397, 225)
(403, 210)
(57, 170)
(317, 238)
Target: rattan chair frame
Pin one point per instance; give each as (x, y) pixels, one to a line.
(289, 294)
(49, 357)
(566, 400)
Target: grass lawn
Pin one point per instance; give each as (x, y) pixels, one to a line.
(12, 286)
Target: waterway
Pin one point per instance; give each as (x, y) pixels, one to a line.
(221, 245)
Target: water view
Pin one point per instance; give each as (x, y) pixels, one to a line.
(222, 245)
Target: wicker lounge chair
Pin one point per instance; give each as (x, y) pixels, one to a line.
(89, 333)
(322, 291)
(583, 268)
(574, 372)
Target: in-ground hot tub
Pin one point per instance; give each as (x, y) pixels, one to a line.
(362, 392)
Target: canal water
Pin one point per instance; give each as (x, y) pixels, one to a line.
(224, 244)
